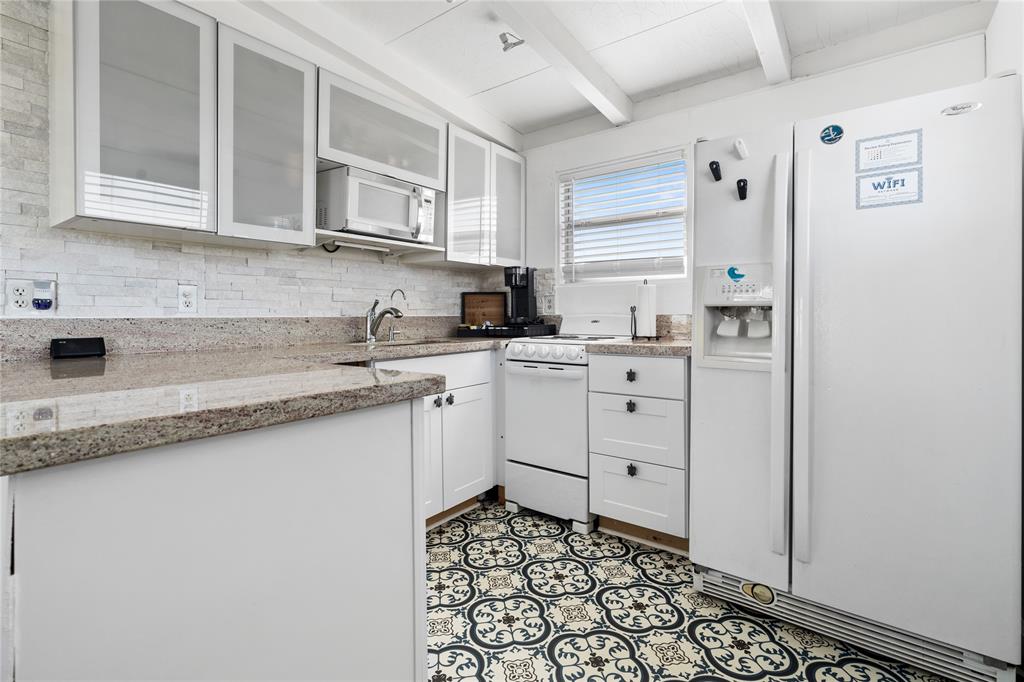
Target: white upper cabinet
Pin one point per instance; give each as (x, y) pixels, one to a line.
(469, 188)
(361, 128)
(266, 133)
(134, 114)
(486, 201)
(508, 192)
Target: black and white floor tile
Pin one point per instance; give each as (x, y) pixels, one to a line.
(521, 598)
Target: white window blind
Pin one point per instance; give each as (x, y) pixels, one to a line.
(624, 220)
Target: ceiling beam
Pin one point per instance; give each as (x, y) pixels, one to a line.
(770, 39)
(317, 33)
(535, 23)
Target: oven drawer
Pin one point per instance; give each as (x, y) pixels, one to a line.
(547, 491)
(652, 497)
(650, 430)
(654, 377)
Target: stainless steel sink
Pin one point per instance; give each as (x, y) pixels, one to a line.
(411, 342)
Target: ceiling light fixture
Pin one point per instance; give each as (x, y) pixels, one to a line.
(509, 40)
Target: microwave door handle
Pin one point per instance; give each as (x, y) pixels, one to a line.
(416, 212)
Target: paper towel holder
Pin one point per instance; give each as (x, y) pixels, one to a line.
(632, 324)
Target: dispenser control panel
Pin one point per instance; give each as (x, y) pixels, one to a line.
(739, 285)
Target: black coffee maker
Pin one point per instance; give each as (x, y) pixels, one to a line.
(522, 317)
(524, 302)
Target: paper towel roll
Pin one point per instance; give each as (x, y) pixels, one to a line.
(646, 301)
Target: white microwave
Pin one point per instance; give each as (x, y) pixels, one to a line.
(353, 200)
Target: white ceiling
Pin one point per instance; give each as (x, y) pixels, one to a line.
(535, 101)
(463, 45)
(387, 20)
(700, 46)
(647, 47)
(814, 25)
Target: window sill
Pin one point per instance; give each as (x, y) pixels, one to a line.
(653, 279)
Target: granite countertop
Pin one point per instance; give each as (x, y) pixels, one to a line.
(667, 347)
(60, 412)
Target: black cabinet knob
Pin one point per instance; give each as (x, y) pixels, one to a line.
(630, 406)
(630, 375)
(437, 401)
(450, 399)
(716, 170)
(631, 469)
(741, 188)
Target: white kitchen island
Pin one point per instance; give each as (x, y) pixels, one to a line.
(292, 549)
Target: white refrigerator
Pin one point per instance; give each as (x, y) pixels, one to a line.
(856, 388)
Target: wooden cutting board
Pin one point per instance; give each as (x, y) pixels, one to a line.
(480, 307)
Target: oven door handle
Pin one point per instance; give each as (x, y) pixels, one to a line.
(545, 371)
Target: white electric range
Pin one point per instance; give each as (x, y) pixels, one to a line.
(546, 424)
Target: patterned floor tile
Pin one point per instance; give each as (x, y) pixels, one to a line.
(521, 598)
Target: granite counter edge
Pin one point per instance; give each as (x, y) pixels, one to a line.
(41, 451)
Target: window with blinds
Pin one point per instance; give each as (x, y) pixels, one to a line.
(624, 220)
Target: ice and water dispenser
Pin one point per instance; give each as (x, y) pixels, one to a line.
(736, 321)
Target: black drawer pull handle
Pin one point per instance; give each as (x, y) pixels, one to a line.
(437, 401)
(450, 399)
(631, 470)
(630, 406)
(630, 375)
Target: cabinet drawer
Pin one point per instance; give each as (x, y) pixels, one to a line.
(459, 369)
(654, 432)
(654, 377)
(653, 497)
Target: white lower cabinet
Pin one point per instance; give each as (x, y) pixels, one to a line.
(638, 441)
(225, 558)
(433, 451)
(643, 494)
(459, 440)
(468, 434)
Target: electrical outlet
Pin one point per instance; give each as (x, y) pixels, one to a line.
(188, 398)
(30, 297)
(188, 298)
(29, 417)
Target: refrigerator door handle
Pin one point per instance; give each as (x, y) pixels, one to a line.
(802, 361)
(779, 450)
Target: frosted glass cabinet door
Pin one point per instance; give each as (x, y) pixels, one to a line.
(361, 128)
(508, 192)
(266, 131)
(469, 192)
(146, 116)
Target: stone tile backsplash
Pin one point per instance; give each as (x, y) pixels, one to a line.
(29, 339)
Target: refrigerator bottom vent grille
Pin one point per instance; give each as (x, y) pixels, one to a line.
(914, 650)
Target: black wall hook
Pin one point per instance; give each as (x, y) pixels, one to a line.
(741, 188)
(716, 170)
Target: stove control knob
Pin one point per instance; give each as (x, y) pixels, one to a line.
(543, 351)
(557, 352)
(571, 352)
(529, 350)
(516, 348)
